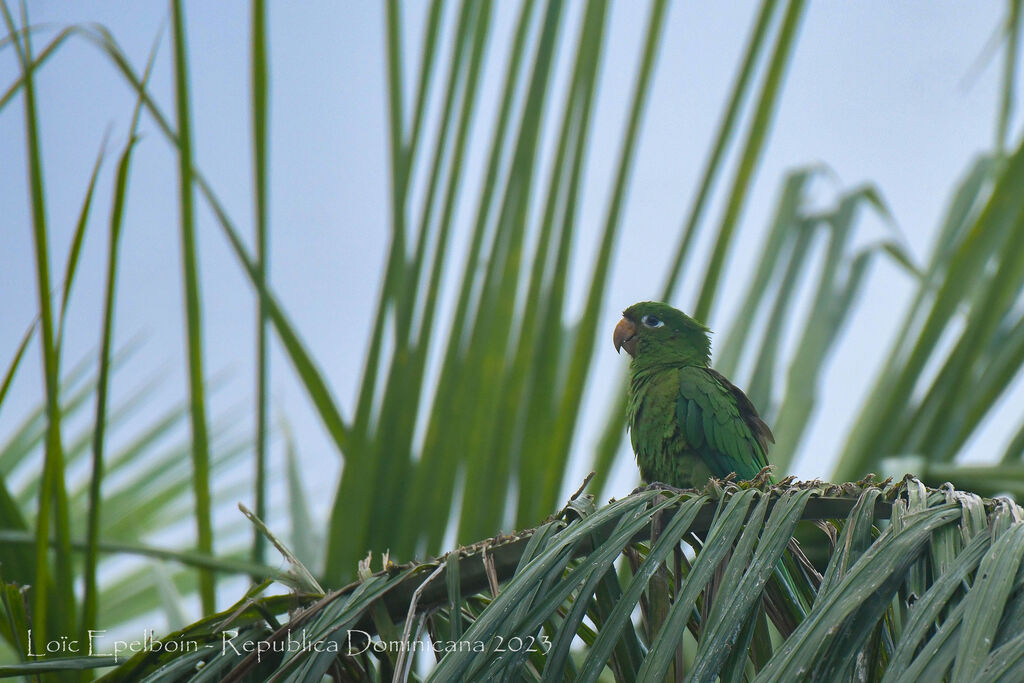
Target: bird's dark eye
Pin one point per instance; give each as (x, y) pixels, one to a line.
(651, 321)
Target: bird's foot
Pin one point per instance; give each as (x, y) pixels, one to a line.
(764, 477)
(658, 486)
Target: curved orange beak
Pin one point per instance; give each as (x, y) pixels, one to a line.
(625, 336)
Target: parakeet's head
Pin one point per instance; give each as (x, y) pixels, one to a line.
(654, 333)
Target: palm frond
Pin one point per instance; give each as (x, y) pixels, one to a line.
(921, 582)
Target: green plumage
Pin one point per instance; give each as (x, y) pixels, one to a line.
(687, 422)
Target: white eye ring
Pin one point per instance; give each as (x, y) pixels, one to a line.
(651, 321)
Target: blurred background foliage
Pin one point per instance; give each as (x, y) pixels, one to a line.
(479, 440)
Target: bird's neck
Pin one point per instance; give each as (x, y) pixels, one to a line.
(648, 366)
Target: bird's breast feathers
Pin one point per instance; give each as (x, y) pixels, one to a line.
(687, 424)
(659, 446)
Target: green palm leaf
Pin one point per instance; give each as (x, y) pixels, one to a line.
(866, 622)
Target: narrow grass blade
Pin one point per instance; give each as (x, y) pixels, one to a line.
(193, 311)
(53, 494)
(15, 362)
(260, 135)
(306, 542)
(1009, 80)
(89, 603)
(40, 59)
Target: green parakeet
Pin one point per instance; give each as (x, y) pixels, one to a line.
(687, 422)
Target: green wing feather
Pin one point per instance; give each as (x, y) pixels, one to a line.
(692, 419)
(720, 424)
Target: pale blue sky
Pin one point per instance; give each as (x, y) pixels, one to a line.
(875, 91)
